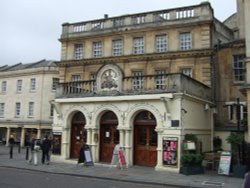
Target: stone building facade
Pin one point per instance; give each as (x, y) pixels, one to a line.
(25, 95)
(142, 80)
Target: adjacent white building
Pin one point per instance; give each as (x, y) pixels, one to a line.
(25, 94)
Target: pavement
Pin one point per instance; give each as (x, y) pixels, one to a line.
(135, 174)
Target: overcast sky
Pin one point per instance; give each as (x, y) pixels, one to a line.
(30, 29)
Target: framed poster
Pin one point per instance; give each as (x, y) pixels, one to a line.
(170, 150)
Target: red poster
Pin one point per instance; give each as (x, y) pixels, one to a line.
(122, 159)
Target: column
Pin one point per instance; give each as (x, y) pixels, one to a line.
(94, 144)
(121, 133)
(128, 147)
(22, 141)
(89, 136)
(38, 133)
(65, 143)
(8, 136)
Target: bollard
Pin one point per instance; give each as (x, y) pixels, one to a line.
(27, 153)
(11, 151)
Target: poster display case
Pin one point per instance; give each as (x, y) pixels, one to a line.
(170, 150)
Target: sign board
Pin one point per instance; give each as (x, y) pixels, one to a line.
(224, 165)
(189, 145)
(170, 150)
(85, 156)
(118, 157)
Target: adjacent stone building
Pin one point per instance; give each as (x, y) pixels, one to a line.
(142, 80)
(25, 95)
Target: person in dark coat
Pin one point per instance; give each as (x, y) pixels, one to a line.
(247, 180)
(11, 144)
(46, 146)
(81, 158)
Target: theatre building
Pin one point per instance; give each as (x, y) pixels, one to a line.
(141, 80)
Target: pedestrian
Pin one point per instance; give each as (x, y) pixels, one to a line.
(34, 148)
(46, 146)
(247, 180)
(81, 158)
(11, 144)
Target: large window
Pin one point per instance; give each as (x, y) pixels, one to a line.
(161, 43)
(232, 111)
(93, 83)
(185, 41)
(187, 71)
(52, 107)
(78, 51)
(55, 82)
(160, 79)
(1, 109)
(75, 78)
(19, 86)
(31, 109)
(32, 84)
(239, 68)
(138, 45)
(18, 109)
(4, 87)
(137, 81)
(117, 47)
(97, 49)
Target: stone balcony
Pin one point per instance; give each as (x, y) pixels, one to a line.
(171, 83)
(168, 17)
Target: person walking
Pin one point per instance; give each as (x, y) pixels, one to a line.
(46, 146)
(34, 148)
(11, 144)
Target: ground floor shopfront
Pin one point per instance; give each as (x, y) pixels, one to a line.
(23, 134)
(149, 128)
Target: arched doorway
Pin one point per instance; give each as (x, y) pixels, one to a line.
(78, 134)
(109, 136)
(145, 139)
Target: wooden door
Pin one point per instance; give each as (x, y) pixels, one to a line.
(145, 143)
(109, 136)
(78, 134)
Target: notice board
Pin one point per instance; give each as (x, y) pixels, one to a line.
(170, 150)
(224, 165)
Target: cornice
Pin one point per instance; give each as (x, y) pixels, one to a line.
(141, 57)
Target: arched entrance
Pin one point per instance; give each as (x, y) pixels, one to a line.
(145, 139)
(109, 136)
(78, 134)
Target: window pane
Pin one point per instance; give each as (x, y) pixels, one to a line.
(161, 43)
(19, 85)
(18, 108)
(97, 49)
(31, 109)
(239, 68)
(117, 47)
(55, 82)
(4, 87)
(185, 41)
(138, 45)
(160, 79)
(78, 51)
(1, 109)
(137, 80)
(32, 84)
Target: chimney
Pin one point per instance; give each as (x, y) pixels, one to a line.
(106, 16)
